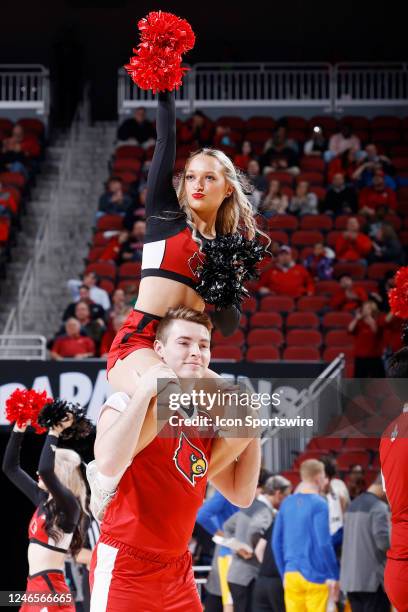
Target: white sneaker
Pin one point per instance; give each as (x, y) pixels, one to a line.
(100, 497)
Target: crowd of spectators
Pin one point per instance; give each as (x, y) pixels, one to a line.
(316, 545)
(343, 187)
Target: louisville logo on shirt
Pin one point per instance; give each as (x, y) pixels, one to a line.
(190, 460)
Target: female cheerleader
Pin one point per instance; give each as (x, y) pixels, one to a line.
(210, 202)
(55, 528)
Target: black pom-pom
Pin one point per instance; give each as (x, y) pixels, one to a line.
(57, 411)
(230, 261)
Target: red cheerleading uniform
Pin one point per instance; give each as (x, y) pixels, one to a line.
(394, 458)
(49, 582)
(141, 561)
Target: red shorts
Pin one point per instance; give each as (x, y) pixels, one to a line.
(137, 332)
(127, 579)
(396, 583)
(50, 584)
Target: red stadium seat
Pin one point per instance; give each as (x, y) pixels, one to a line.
(109, 222)
(226, 353)
(260, 123)
(123, 164)
(265, 319)
(400, 163)
(283, 222)
(386, 136)
(263, 337)
(100, 239)
(327, 287)
(331, 238)
(337, 319)
(294, 122)
(312, 164)
(313, 303)
(347, 459)
(95, 253)
(107, 284)
(331, 352)
(257, 136)
(355, 270)
(306, 238)
(377, 271)
(327, 444)
(6, 125)
(329, 124)
(385, 122)
(130, 270)
(129, 152)
(370, 286)
(341, 221)
(4, 230)
(302, 319)
(283, 177)
(293, 476)
(31, 125)
(13, 178)
(319, 191)
(316, 222)
(104, 269)
(278, 236)
(303, 337)
(366, 443)
(356, 122)
(338, 337)
(236, 339)
(277, 303)
(249, 305)
(301, 353)
(313, 178)
(235, 123)
(314, 453)
(262, 353)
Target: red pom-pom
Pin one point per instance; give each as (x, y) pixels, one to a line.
(164, 37)
(25, 405)
(398, 296)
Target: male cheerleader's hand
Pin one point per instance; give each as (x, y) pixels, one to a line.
(57, 429)
(149, 379)
(22, 428)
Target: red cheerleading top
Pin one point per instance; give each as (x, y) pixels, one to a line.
(158, 497)
(38, 535)
(394, 459)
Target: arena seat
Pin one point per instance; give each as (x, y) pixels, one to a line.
(303, 238)
(265, 319)
(109, 222)
(309, 163)
(377, 271)
(262, 353)
(262, 337)
(347, 459)
(129, 152)
(260, 123)
(313, 303)
(283, 222)
(302, 319)
(355, 270)
(249, 305)
(277, 303)
(226, 353)
(316, 222)
(278, 236)
(236, 339)
(130, 270)
(338, 337)
(103, 269)
(325, 443)
(337, 319)
(313, 178)
(327, 287)
(301, 353)
(304, 337)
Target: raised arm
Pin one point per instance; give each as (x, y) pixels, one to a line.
(161, 195)
(11, 467)
(65, 500)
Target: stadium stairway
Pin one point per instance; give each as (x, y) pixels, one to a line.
(68, 240)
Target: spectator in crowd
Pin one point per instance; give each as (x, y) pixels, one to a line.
(317, 143)
(302, 544)
(352, 245)
(337, 498)
(286, 277)
(355, 481)
(244, 566)
(92, 328)
(91, 280)
(242, 159)
(211, 517)
(319, 264)
(275, 202)
(368, 168)
(119, 306)
(381, 296)
(365, 543)
(109, 334)
(280, 139)
(268, 589)
(8, 203)
(114, 201)
(386, 246)
(19, 151)
(304, 202)
(345, 164)
(367, 327)
(258, 182)
(196, 131)
(132, 248)
(137, 130)
(112, 249)
(393, 334)
(138, 211)
(341, 198)
(72, 344)
(280, 156)
(348, 296)
(370, 155)
(372, 198)
(224, 137)
(96, 310)
(342, 141)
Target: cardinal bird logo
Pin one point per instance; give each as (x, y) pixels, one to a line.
(190, 460)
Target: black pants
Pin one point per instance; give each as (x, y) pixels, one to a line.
(368, 367)
(369, 602)
(242, 596)
(212, 603)
(268, 595)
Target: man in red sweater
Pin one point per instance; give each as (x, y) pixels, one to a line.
(377, 196)
(73, 344)
(353, 245)
(286, 277)
(348, 297)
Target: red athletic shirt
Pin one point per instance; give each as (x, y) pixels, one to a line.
(37, 534)
(394, 462)
(158, 497)
(67, 346)
(295, 281)
(366, 342)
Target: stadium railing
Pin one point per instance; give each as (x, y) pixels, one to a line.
(25, 87)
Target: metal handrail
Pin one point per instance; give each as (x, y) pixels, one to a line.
(18, 346)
